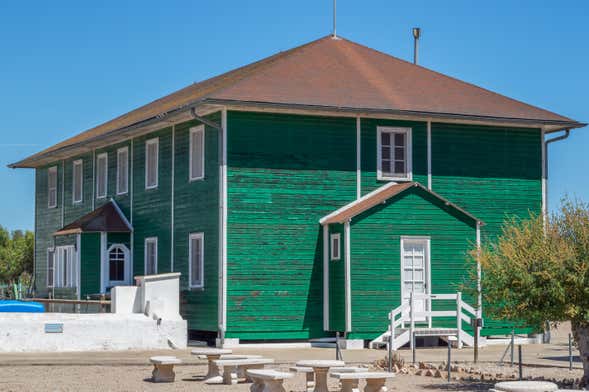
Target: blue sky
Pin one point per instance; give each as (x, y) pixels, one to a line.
(66, 66)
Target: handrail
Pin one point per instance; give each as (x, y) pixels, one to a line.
(399, 316)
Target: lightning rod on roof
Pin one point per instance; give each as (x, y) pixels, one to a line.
(334, 19)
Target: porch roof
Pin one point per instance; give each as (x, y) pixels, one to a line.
(380, 195)
(106, 218)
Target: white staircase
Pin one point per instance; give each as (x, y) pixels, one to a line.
(405, 322)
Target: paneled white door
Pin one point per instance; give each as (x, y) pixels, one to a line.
(415, 271)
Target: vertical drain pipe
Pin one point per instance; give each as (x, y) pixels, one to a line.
(566, 134)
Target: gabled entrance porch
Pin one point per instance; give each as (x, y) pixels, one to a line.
(97, 249)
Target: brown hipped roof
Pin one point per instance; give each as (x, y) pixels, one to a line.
(106, 218)
(331, 73)
(380, 195)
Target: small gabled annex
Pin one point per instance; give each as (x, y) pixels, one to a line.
(396, 239)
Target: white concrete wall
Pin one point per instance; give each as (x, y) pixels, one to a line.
(160, 295)
(25, 332)
(125, 300)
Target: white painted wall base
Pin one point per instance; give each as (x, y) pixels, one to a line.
(227, 343)
(352, 344)
(25, 332)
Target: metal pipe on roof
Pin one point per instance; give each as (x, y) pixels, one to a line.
(416, 35)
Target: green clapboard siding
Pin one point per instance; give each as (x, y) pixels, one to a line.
(337, 277)
(284, 173)
(47, 221)
(369, 144)
(493, 173)
(123, 200)
(196, 210)
(90, 264)
(152, 213)
(375, 239)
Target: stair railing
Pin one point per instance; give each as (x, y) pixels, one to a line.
(406, 313)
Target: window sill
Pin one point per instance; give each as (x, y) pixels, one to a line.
(122, 193)
(196, 288)
(401, 179)
(196, 179)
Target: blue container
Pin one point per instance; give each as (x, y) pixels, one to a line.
(21, 307)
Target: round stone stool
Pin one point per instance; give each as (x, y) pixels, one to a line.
(524, 386)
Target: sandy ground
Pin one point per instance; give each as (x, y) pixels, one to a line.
(130, 371)
(136, 378)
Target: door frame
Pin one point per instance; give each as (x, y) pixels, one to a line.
(427, 268)
(106, 266)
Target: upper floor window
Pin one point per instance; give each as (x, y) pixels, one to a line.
(101, 175)
(196, 260)
(122, 170)
(77, 181)
(197, 153)
(52, 187)
(394, 154)
(335, 246)
(151, 163)
(150, 267)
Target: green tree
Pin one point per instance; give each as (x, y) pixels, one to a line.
(16, 254)
(538, 271)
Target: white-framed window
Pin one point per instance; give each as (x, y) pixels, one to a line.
(394, 158)
(101, 175)
(62, 266)
(118, 260)
(122, 170)
(335, 241)
(150, 256)
(52, 187)
(50, 267)
(151, 163)
(196, 260)
(197, 153)
(77, 181)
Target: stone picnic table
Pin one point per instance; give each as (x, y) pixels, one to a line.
(320, 368)
(213, 375)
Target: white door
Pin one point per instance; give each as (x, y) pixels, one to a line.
(415, 271)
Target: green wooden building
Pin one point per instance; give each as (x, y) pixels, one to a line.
(308, 193)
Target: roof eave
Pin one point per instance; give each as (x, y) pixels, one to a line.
(489, 120)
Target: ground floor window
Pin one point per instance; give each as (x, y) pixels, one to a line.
(62, 267)
(50, 267)
(117, 261)
(151, 256)
(196, 257)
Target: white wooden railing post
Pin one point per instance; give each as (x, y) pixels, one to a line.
(412, 318)
(459, 318)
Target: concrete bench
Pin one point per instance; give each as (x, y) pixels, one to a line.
(267, 380)
(309, 375)
(348, 370)
(524, 386)
(233, 367)
(163, 368)
(375, 381)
